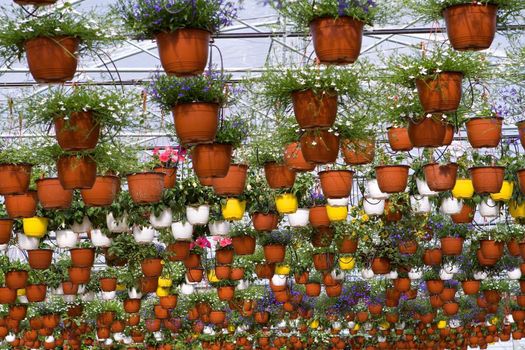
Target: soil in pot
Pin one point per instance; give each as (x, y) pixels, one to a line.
(21, 205)
(103, 192)
(441, 94)
(487, 179)
(484, 132)
(183, 52)
(196, 122)
(428, 132)
(337, 40)
(470, 26)
(440, 177)
(399, 140)
(392, 178)
(279, 175)
(233, 183)
(79, 132)
(52, 60)
(314, 110)
(358, 152)
(15, 178)
(294, 158)
(146, 187)
(76, 172)
(52, 195)
(336, 183)
(211, 160)
(320, 146)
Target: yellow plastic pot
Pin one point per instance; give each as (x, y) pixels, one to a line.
(384, 325)
(163, 292)
(463, 189)
(442, 324)
(505, 193)
(212, 277)
(35, 226)
(517, 211)
(356, 327)
(337, 213)
(165, 282)
(234, 209)
(314, 324)
(346, 262)
(231, 328)
(282, 270)
(286, 203)
(121, 287)
(21, 292)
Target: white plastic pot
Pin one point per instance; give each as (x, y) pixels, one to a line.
(450, 268)
(480, 275)
(367, 273)
(488, 208)
(118, 225)
(69, 298)
(338, 202)
(420, 204)
(118, 336)
(143, 234)
(27, 243)
(445, 276)
(423, 189)
(338, 275)
(3, 248)
(514, 274)
(22, 299)
(392, 275)
(415, 274)
(99, 239)
(186, 289)
(182, 231)
(164, 219)
(242, 285)
(373, 191)
(219, 228)
(83, 227)
(451, 206)
(109, 295)
(49, 339)
(373, 207)
(10, 338)
(66, 239)
(454, 323)
(134, 293)
(279, 280)
(198, 215)
(87, 297)
(300, 218)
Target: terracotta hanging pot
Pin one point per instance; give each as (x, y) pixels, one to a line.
(392, 178)
(274, 253)
(449, 135)
(15, 178)
(178, 251)
(314, 110)
(381, 266)
(82, 257)
(233, 183)
(103, 192)
(358, 152)
(265, 222)
(146, 187)
(243, 245)
(323, 261)
(471, 26)
(513, 247)
(337, 40)
(487, 179)
(132, 305)
(7, 295)
(52, 60)
(408, 247)
(52, 195)
(465, 216)
(16, 279)
(79, 275)
(322, 236)
(211, 160)
(452, 246)
(21, 205)
(36, 292)
(484, 132)
(470, 287)
(294, 158)
(440, 177)
(428, 132)
(347, 245)
(318, 217)
(224, 256)
(192, 261)
(6, 230)
(336, 183)
(76, 172)
(491, 249)
(170, 177)
(226, 293)
(320, 146)
(441, 94)
(183, 52)
(195, 275)
(151, 267)
(432, 257)
(279, 175)
(312, 289)
(79, 132)
(39, 259)
(196, 122)
(108, 284)
(435, 286)
(399, 140)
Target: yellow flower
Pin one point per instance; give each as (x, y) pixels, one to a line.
(21, 292)
(365, 218)
(314, 324)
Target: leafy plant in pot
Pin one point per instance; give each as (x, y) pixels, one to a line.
(243, 239)
(393, 177)
(437, 76)
(329, 22)
(53, 42)
(288, 135)
(357, 139)
(267, 153)
(182, 41)
(450, 234)
(274, 245)
(261, 204)
(16, 163)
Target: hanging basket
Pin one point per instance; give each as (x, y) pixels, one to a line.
(428, 132)
(211, 160)
(358, 152)
(170, 177)
(279, 175)
(52, 195)
(21, 205)
(15, 178)
(184, 52)
(103, 192)
(441, 94)
(487, 179)
(336, 183)
(233, 183)
(320, 146)
(76, 172)
(440, 177)
(146, 187)
(40, 259)
(337, 40)
(79, 132)
(471, 26)
(52, 59)
(294, 158)
(315, 110)
(399, 140)
(484, 132)
(392, 178)
(196, 122)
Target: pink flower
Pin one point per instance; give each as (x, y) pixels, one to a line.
(225, 242)
(164, 157)
(202, 242)
(156, 151)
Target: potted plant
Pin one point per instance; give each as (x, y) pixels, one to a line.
(288, 135)
(486, 176)
(450, 234)
(274, 245)
(261, 204)
(357, 138)
(328, 20)
(243, 239)
(16, 163)
(393, 177)
(437, 76)
(53, 58)
(192, 99)
(182, 41)
(484, 127)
